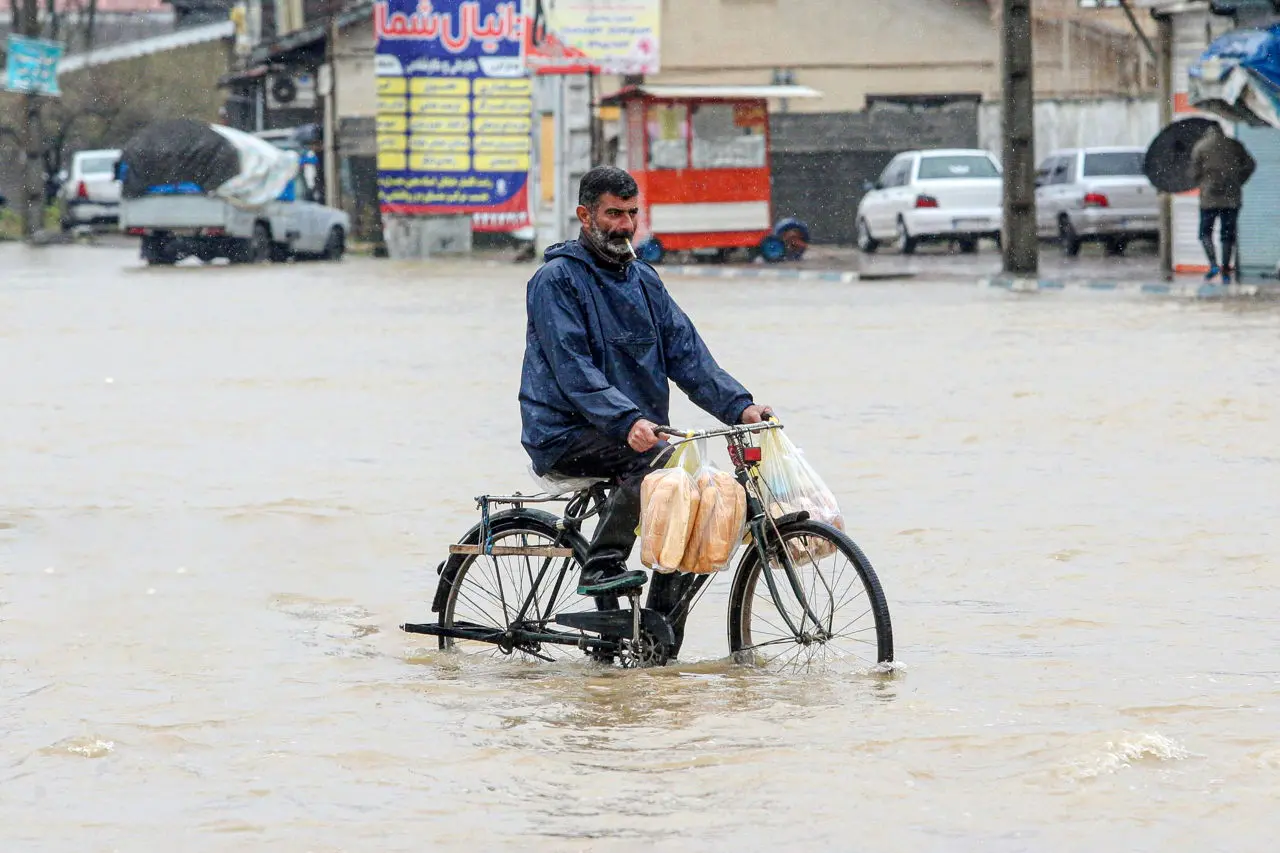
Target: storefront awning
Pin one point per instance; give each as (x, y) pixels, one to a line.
(1238, 77)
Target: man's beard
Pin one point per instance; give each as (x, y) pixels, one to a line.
(614, 245)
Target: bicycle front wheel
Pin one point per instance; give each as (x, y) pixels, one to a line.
(831, 610)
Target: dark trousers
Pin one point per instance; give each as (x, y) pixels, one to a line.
(1228, 216)
(596, 455)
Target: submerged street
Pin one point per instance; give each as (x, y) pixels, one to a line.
(225, 487)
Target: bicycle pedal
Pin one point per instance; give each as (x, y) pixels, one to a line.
(618, 623)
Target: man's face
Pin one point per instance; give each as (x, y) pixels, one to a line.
(611, 224)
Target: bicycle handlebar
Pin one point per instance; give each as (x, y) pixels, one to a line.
(682, 435)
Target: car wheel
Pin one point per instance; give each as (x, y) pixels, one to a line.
(159, 252)
(1116, 246)
(968, 246)
(906, 243)
(336, 246)
(1068, 240)
(866, 242)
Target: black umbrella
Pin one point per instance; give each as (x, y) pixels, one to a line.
(177, 152)
(1168, 161)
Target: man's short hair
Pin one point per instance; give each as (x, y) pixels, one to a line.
(602, 180)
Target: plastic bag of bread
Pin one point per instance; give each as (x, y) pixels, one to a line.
(795, 486)
(718, 529)
(668, 510)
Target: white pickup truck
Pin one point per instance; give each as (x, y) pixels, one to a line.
(175, 226)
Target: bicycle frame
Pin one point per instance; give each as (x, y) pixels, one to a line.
(581, 505)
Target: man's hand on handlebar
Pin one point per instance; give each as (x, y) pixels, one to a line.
(643, 436)
(755, 414)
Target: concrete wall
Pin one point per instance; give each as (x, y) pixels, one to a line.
(849, 49)
(355, 72)
(846, 49)
(1077, 123)
(821, 161)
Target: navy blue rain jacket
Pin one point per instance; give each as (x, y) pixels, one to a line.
(600, 350)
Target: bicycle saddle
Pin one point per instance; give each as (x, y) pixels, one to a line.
(556, 485)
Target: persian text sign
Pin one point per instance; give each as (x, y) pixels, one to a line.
(604, 36)
(32, 66)
(455, 110)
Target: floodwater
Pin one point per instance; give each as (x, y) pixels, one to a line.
(223, 489)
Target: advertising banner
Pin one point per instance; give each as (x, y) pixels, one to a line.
(455, 107)
(602, 36)
(32, 66)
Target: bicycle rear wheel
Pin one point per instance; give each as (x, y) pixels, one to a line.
(489, 591)
(843, 593)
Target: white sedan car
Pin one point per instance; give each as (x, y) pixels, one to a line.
(1096, 194)
(954, 195)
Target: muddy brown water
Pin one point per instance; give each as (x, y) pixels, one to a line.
(223, 489)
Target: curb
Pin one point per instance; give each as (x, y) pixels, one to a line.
(709, 271)
(1188, 290)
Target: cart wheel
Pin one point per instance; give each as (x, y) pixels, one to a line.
(772, 249)
(650, 251)
(795, 234)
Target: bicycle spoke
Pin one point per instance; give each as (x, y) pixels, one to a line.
(827, 581)
(494, 590)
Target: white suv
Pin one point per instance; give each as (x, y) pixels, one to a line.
(1097, 194)
(954, 195)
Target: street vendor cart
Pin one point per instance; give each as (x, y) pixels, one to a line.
(701, 157)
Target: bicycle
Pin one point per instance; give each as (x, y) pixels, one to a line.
(509, 585)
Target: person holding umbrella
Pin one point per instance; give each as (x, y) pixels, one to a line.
(1221, 166)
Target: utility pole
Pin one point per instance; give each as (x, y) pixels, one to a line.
(1019, 244)
(332, 190)
(32, 137)
(1164, 59)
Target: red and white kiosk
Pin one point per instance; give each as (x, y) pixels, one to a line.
(701, 157)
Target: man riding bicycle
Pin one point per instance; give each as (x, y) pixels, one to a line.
(604, 340)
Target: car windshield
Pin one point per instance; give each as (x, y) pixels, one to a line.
(99, 164)
(957, 166)
(1112, 164)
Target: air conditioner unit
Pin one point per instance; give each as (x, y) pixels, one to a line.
(291, 91)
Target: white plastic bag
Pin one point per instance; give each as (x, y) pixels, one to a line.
(794, 486)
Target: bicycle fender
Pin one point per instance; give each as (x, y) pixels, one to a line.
(791, 518)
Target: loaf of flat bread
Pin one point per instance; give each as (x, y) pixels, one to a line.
(723, 529)
(668, 507)
(722, 508)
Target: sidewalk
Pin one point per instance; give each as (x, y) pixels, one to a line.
(1137, 272)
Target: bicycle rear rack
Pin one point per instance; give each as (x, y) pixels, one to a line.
(512, 551)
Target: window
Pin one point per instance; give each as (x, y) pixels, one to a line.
(668, 133)
(1044, 174)
(1062, 171)
(957, 166)
(98, 164)
(1113, 164)
(902, 175)
(886, 177)
(728, 136)
(896, 174)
